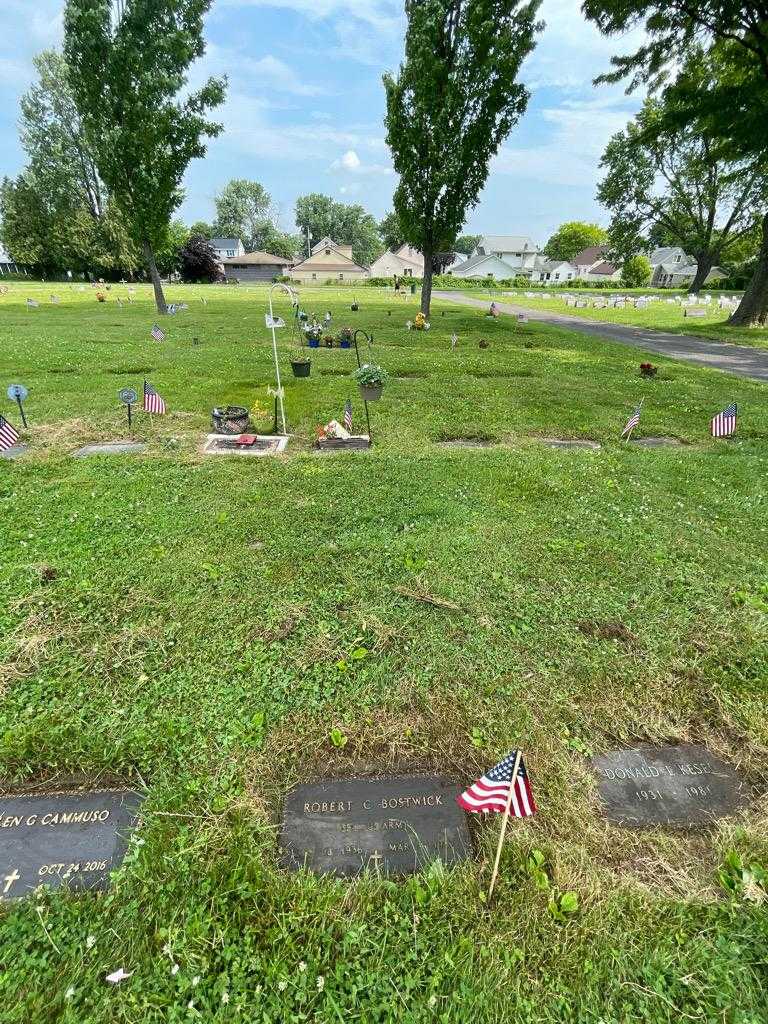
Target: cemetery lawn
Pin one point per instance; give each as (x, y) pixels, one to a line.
(658, 316)
(213, 630)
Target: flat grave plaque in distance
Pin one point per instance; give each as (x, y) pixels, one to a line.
(680, 786)
(14, 452)
(63, 839)
(394, 826)
(109, 448)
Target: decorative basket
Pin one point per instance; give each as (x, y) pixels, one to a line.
(233, 419)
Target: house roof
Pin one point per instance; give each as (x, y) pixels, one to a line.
(592, 254)
(251, 259)
(550, 265)
(225, 243)
(664, 253)
(506, 243)
(307, 265)
(604, 268)
(476, 261)
(328, 243)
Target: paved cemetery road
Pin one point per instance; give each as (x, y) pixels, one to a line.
(718, 355)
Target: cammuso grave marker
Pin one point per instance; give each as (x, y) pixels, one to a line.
(395, 826)
(681, 786)
(63, 839)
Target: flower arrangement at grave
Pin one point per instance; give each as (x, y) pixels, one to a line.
(328, 340)
(101, 297)
(332, 430)
(345, 337)
(648, 370)
(371, 379)
(421, 323)
(313, 332)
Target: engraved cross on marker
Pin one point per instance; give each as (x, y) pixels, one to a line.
(10, 879)
(375, 857)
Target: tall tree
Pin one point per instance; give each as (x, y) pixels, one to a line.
(573, 236)
(128, 64)
(243, 209)
(68, 218)
(391, 232)
(674, 179)
(732, 110)
(323, 217)
(466, 244)
(455, 99)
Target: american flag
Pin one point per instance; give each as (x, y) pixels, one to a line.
(348, 416)
(724, 424)
(8, 435)
(32, 303)
(157, 332)
(152, 401)
(491, 792)
(632, 422)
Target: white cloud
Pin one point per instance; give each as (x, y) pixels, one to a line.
(578, 133)
(272, 72)
(350, 161)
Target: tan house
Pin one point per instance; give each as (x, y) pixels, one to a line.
(405, 262)
(329, 262)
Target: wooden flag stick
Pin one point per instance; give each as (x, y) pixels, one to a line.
(504, 821)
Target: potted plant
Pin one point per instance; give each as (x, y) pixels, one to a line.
(354, 307)
(301, 363)
(648, 370)
(328, 340)
(371, 379)
(345, 337)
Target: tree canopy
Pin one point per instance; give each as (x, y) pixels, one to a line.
(58, 213)
(345, 223)
(675, 180)
(573, 236)
(128, 71)
(466, 244)
(243, 208)
(454, 100)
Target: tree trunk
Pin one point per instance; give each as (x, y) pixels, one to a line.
(753, 308)
(705, 262)
(426, 283)
(157, 284)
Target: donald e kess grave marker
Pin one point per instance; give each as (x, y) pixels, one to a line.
(681, 786)
(63, 839)
(395, 826)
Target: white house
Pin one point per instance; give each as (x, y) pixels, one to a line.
(7, 265)
(501, 257)
(405, 262)
(227, 248)
(673, 268)
(553, 271)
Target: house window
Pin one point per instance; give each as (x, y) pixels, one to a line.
(408, 272)
(314, 277)
(327, 252)
(557, 277)
(230, 252)
(341, 277)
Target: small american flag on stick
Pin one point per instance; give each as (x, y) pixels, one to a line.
(157, 332)
(491, 792)
(8, 435)
(348, 416)
(724, 424)
(632, 422)
(152, 401)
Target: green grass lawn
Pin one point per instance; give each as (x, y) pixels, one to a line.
(184, 624)
(659, 316)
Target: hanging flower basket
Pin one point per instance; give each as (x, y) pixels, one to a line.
(371, 380)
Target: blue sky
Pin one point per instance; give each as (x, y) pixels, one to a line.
(305, 105)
